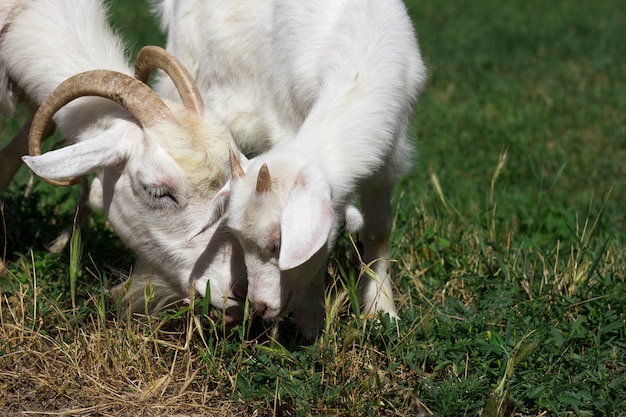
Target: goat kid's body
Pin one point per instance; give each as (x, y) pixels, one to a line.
(328, 87)
(155, 184)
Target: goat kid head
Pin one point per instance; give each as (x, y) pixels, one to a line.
(157, 168)
(285, 221)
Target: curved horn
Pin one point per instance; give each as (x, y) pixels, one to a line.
(143, 103)
(263, 181)
(150, 58)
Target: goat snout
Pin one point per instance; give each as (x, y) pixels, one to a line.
(267, 311)
(271, 310)
(261, 308)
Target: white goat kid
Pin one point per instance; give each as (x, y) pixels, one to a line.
(331, 85)
(157, 164)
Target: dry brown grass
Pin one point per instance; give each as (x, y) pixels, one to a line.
(96, 368)
(90, 362)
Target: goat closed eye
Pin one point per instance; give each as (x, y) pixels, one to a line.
(162, 194)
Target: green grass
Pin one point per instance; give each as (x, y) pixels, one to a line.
(509, 241)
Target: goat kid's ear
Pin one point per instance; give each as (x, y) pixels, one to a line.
(306, 221)
(76, 160)
(217, 208)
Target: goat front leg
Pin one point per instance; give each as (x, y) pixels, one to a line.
(11, 156)
(309, 313)
(376, 286)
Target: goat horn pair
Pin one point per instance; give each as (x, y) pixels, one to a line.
(133, 94)
(151, 58)
(139, 99)
(263, 181)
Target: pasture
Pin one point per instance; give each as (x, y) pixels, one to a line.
(508, 245)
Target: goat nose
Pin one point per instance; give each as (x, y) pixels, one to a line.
(260, 308)
(228, 319)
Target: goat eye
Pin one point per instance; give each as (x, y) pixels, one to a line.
(275, 248)
(162, 193)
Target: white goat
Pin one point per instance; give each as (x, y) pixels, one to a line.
(157, 164)
(329, 86)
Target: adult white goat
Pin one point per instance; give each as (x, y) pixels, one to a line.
(330, 85)
(157, 164)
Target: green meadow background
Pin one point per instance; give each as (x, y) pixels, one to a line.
(508, 240)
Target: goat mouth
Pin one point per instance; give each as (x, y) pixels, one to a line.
(286, 308)
(239, 293)
(225, 316)
(273, 314)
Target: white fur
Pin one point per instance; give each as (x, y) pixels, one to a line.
(329, 86)
(155, 184)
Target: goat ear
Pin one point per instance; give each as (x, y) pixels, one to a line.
(217, 208)
(76, 160)
(306, 221)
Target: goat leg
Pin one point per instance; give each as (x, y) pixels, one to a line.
(11, 155)
(376, 286)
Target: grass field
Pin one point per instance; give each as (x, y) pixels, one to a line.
(509, 240)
